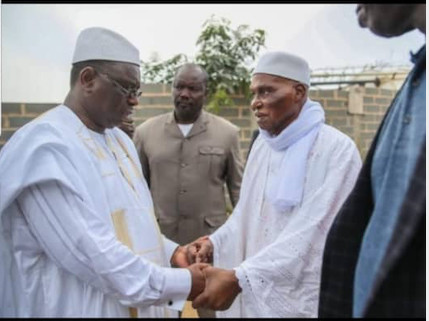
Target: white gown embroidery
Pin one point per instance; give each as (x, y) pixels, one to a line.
(277, 256)
(65, 203)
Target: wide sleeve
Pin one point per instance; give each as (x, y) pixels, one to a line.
(77, 240)
(283, 278)
(234, 172)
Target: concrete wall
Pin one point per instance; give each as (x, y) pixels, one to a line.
(357, 112)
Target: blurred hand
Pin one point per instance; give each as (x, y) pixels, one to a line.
(180, 257)
(221, 289)
(200, 251)
(198, 279)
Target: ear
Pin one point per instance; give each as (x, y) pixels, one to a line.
(87, 79)
(300, 91)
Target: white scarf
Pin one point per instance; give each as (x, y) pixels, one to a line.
(297, 140)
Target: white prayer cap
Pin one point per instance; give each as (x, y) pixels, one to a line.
(284, 65)
(103, 44)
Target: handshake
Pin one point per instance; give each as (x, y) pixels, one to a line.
(212, 288)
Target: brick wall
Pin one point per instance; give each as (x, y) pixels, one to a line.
(360, 122)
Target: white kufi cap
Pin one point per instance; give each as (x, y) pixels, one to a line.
(284, 65)
(103, 44)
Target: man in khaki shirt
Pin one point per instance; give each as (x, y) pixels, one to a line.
(187, 156)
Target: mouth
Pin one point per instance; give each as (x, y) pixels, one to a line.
(184, 105)
(128, 112)
(361, 13)
(358, 8)
(259, 116)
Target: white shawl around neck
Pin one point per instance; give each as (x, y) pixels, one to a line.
(296, 140)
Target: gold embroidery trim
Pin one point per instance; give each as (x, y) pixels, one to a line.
(120, 225)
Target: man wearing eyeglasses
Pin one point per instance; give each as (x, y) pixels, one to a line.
(78, 236)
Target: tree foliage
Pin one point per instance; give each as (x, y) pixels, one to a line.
(225, 53)
(161, 72)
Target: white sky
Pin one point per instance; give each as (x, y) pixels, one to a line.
(38, 40)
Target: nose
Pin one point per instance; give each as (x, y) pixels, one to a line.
(255, 103)
(133, 100)
(184, 92)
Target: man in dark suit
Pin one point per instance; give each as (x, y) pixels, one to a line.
(375, 253)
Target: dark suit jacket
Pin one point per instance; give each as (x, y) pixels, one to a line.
(400, 286)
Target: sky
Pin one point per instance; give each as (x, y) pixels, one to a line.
(37, 40)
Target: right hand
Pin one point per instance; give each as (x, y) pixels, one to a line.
(198, 280)
(222, 287)
(200, 251)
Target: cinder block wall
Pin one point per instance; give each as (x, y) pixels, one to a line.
(16, 115)
(361, 127)
(156, 99)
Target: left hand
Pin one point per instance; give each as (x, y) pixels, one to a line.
(198, 279)
(179, 257)
(200, 250)
(221, 289)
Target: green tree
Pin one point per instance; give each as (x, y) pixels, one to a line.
(225, 53)
(155, 71)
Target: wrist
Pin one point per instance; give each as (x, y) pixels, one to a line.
(234, 282)
(173, 259)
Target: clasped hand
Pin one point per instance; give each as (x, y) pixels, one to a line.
(212, 288)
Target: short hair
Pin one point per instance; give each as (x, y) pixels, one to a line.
(190, 65)
(78, 66)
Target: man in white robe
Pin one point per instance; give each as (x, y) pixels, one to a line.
(267, 256)
(78, 235)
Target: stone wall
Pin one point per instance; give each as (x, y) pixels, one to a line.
(357, 112)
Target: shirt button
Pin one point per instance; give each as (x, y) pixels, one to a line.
(183, 164)
(170, 302)
(183, 191)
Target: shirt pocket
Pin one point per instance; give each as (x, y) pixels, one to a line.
(212, 223)
(212, 161)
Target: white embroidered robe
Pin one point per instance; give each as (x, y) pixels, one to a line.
(78, 236)
(277, 256)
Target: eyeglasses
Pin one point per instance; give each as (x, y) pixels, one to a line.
(129, 93)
